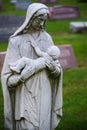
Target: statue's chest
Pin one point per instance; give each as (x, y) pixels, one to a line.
(27, 50)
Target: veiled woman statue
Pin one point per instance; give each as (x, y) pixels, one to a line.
(33, 99)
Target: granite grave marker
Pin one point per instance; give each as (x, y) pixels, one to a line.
(67, 58)
(13, 1)
(22, 4)
(63, 12)
(76, 27)
(8, 25)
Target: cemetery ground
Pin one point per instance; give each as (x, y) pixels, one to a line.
(74, 80)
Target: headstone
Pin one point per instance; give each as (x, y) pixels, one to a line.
(2, 57)
(63, 12)
(78, 27)
(5, 34)
(48, 1)
(67, 58)
(8, 25)
(13, 1)
(23, 4)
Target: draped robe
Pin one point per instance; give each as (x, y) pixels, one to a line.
(39, 99)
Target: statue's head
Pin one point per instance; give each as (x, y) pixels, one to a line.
(38, 20)
(54, 52)
(36, 17)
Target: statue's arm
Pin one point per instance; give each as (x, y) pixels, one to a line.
(16, 79)
(37, 65)
(36, 49)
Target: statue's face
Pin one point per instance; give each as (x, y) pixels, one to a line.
(38, 22)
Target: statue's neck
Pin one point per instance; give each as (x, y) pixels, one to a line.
(35, 34)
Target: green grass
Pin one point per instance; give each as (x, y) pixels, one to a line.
(75, 100)
(74, 80)
(3, 47)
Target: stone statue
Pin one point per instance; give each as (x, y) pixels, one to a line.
(32, 76)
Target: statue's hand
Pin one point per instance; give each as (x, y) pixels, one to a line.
(17, 79)
(49, 63)
(53, 66)
(13, 81)
(27, 72)
(32, 44)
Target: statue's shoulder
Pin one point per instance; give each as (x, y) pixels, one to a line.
(15, 38)
(47, 35)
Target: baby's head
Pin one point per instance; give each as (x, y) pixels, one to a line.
(54, 52)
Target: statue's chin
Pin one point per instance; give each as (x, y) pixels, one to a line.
(42, 28)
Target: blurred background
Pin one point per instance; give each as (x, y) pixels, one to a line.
(68, 27)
